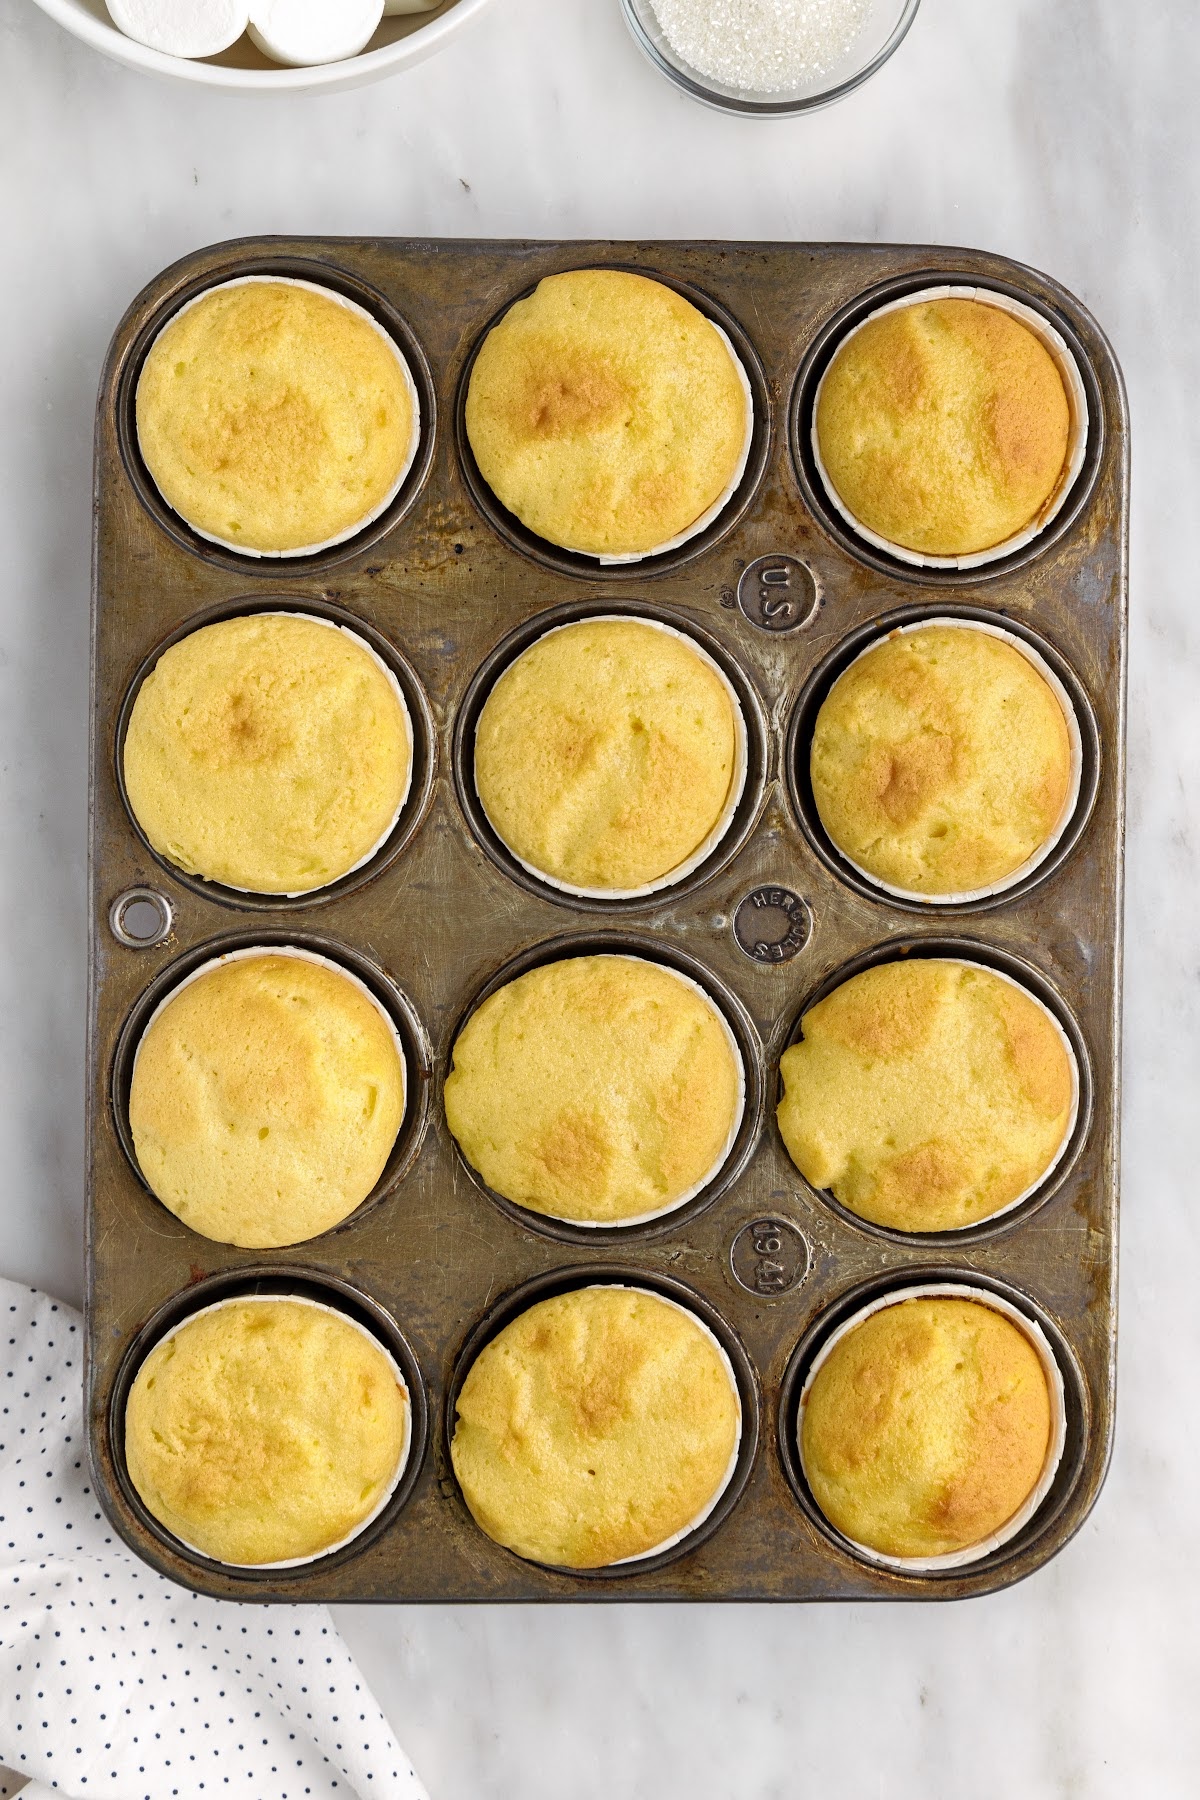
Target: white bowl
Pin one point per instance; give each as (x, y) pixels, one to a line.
(400, 42)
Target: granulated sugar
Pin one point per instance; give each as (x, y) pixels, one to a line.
(763, 46)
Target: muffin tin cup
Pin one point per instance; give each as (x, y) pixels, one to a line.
(448, 589)
(368, 856)
(345, 1302)
(413, 1057)
(957, 1559)
(737, 785)
(1018, 876)
(1077, 441)
(1065, 1148)
(710, 1506)
(711, 1174)
(414, 441)
(715, 523)
(419, 732)
(725, 1497)
(300, 1562)
(743, 805)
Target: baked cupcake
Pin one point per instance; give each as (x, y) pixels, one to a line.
(610, 755)
(271, 753)
(266, 1430)
(609, 414)
(602, 1089)
(943, 763)
(597, 1427)
(275, 417)
(267, 1093)
(927, 1427)
(927, 1095)
(944, 426)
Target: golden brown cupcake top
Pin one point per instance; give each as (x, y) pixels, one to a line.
(927, 1428)
(595, 1427)
(606, 412)
(265, 1430)
(944, 426)
(274, 418)
(606, 753)
(265, 1100)
(926, 1095)
(599, 1089)
(271, 753)
(941, 760)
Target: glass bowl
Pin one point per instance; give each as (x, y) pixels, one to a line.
(885, 27)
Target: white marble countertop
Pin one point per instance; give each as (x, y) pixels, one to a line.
(1063, 135)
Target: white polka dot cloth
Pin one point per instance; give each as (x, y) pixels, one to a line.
(117, 1684)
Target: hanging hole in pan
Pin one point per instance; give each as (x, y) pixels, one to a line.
(140, 918)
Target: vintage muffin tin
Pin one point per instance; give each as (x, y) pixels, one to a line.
(447, 586)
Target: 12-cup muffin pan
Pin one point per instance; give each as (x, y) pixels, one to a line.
(448, 587)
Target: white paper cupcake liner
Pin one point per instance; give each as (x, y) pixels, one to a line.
(301, 955)
(351, 531)
(956, 1559)
(718, 506)
(737, 784)
(381, 840)
(298, 1562)
(971, 895)
(1077, 440)
(965, 962)
(711, 1174)
(714, 1499)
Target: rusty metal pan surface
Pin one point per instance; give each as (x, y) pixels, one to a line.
(445, 585)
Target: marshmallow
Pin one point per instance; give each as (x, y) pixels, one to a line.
(303, 32)
(181, 27)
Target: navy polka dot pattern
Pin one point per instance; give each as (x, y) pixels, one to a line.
(115, 1683)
